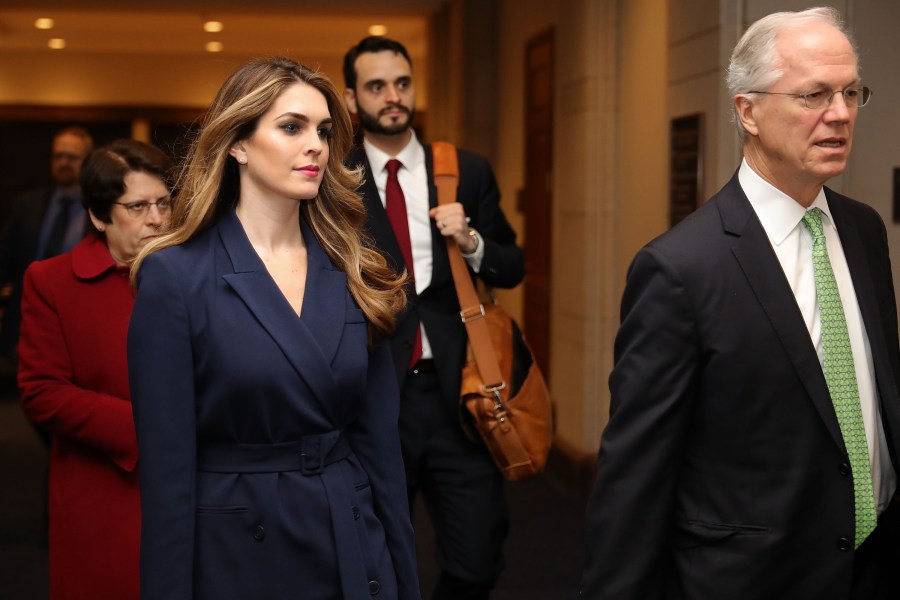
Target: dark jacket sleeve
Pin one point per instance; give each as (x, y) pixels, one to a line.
(652, 386)
(161, 368)
(503, 264)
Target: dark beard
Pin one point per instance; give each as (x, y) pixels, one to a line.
(370, 122)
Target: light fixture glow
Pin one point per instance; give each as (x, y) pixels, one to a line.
(56, 43)
(377, 30)
(213, 26)
(43, 23)
(214, 46)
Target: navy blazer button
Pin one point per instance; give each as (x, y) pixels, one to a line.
(355, 512)
(845, 469)
(259, 533)
(374, 587)
(844, 545)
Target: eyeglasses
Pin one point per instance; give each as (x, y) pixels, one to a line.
(66, 156)
(139, 209)
(853, 97)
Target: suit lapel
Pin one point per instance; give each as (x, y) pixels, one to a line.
(377, 224)
(866, 296)
(760, 265)
(309, 344)
(440, 266)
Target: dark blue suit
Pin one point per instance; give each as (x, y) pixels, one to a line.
(722, 472)
(19, 246)
(269, 455)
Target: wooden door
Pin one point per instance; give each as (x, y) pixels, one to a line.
(537, 197)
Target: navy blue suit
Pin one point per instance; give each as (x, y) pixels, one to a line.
(269, 455)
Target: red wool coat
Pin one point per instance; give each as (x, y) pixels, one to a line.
(73, 378)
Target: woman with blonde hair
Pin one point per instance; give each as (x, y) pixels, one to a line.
(263, 391)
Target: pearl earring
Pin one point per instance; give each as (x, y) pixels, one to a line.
(243, 160)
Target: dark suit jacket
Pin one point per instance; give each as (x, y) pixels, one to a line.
(437, 307)
(18, 249)
(226, 380)
(722, 471)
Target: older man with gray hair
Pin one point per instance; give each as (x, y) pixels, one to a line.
(754, 425)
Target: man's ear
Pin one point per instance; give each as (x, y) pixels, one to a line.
(350, 99)
(745, 109)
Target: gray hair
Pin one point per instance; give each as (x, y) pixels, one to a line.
(755, 62)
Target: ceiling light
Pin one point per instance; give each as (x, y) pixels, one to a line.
(214, 46)
(57, 43)
(43, 23)
(377, 30)
(213, 26)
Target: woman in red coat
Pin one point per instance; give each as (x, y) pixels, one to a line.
(73, 374)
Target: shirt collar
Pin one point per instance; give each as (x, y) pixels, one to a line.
(778, 212)
(410, 155)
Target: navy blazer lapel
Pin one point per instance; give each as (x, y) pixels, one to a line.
(760, 265)
(326, 300)
(308, 349)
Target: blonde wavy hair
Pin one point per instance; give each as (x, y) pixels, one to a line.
(208, 185)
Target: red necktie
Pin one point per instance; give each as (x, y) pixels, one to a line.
(395, 205)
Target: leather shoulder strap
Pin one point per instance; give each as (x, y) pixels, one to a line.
(446, 179)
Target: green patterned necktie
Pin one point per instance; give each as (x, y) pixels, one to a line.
(840, 375)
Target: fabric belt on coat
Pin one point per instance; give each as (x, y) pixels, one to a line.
(310, 455)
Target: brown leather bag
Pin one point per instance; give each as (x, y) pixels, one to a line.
(502, 390)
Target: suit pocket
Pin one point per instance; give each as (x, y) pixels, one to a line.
(691, 534)
(222, 510)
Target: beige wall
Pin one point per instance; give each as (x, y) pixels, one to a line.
(610, 170)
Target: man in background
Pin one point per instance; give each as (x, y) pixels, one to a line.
(42, 223)
(461, 486)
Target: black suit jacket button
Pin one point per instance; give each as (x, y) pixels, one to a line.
(374, 588)
(844, 545)
(259, 533)
(845, 469)
(355, 512)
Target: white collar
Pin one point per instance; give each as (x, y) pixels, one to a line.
(778, 212)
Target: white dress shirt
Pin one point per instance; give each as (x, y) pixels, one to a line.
(413, 179)
(781, 218)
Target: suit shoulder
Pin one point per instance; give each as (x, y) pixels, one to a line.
(471, 160)
(696, 228)
(850, 206)
(356, 157)
(186, 256)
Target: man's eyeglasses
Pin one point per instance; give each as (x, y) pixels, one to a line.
(853, 97)
(139, 209)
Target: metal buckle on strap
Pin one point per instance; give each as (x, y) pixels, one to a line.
(472, 313)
